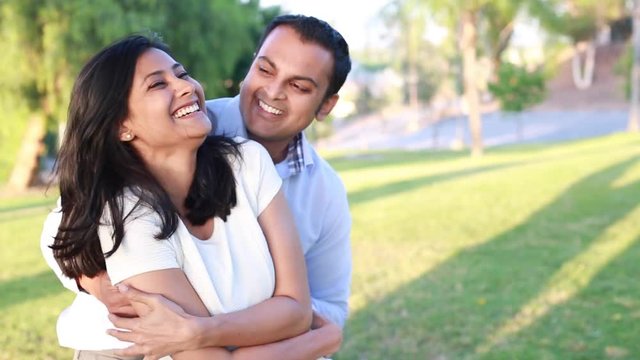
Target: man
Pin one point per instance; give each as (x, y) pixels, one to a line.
(300, 65)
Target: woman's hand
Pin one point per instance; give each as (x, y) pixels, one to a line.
(327, 332)
(164, 328)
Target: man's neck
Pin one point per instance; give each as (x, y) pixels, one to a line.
(277, 149)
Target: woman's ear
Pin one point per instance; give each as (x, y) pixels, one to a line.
(126, 134)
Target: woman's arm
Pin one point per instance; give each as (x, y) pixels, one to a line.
(325, 338)
(288, 312)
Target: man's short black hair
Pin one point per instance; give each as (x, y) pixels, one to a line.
(319, 32)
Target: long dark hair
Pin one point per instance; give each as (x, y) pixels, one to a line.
(94, 167)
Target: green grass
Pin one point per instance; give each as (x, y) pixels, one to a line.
(527, 253)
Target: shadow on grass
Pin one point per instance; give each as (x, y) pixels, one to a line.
(47, 203)
(451, 311)
(393, 188)
(378, 158)
(389, 189)
(601, 321)
(562, 151)
(18, 290)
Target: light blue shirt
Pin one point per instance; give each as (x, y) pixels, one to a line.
(318, 200)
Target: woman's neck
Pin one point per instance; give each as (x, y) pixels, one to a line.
(175, 174)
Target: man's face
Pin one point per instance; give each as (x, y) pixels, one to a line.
(284, 89)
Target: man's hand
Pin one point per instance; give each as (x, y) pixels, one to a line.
(100, 286)
(164, 328)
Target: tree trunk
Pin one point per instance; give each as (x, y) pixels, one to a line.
(26, 165)
(412, 60)
(468, 42)
(634, 111)
(499, 47)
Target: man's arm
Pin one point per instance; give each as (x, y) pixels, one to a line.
(98, 286)
(329, 263)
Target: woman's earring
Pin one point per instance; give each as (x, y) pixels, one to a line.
(127, 136)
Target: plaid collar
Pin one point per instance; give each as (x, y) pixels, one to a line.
(295, 155)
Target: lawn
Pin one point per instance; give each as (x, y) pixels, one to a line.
(527, 253)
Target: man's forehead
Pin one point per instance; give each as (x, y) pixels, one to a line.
(284, 47)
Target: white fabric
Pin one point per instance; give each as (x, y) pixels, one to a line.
(238, 271)
(318, 200)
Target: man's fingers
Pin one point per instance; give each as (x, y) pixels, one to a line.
(126, 311)
(133, 350)
(123, 322)
(136, 295)
(121, 335)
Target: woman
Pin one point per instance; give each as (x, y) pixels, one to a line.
(198, 219)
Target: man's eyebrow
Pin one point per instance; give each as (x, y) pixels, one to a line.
(158, 72)
(302, 78)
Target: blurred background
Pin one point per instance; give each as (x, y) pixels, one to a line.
(426, 75)
(489, 149)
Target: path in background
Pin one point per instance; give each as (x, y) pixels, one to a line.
(566, 114)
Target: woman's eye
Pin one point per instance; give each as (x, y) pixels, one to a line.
(157, 84)
(183, 75)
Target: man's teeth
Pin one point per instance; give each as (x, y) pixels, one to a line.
(187, 110)
(269, 109)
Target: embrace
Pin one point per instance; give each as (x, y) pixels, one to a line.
(203, 229)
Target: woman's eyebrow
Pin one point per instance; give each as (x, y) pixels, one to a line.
(158, 72)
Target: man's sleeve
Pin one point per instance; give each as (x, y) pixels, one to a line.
(49, 231)
(329, 263)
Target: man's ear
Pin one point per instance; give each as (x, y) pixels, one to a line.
(326, 107)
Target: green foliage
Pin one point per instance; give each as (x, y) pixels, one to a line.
(623, 68)
(421, 64)
(45, 42)
(577, 19)
(517, 88)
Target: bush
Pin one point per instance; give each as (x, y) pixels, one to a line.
(517, 88)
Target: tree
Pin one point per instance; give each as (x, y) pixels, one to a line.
(499, 19)
(518, 89)
(580, 20)
(46, 42)
(409, 21)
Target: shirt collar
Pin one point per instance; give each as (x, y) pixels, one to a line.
(298, 154)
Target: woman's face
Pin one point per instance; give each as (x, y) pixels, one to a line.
(166, 107)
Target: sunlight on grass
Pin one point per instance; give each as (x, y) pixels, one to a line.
(574, 276)
(630, 176)
(423, 210)
(527, 253)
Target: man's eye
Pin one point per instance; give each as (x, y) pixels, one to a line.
(300, 87)
(183, 75)
(263, 70)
